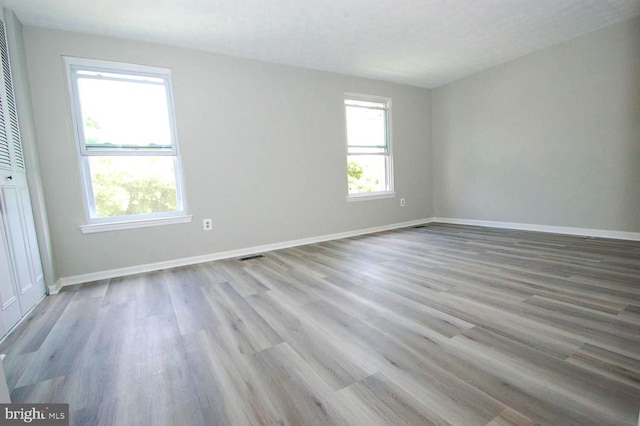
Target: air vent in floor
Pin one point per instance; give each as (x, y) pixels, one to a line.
(255, 256)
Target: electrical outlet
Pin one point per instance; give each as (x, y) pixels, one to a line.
(402, 202)
(207, 225)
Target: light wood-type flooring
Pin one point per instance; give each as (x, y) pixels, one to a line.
(440, 324)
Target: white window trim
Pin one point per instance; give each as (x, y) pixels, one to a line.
(365, 196)
(94, 224)
(131, 224)
(362, 196)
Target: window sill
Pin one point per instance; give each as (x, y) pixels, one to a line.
(131, 224)
(371, 196)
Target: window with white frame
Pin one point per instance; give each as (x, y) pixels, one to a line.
(124, 125)
(369, 160)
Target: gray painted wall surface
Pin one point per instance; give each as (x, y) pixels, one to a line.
(551, 139)
(263, 152)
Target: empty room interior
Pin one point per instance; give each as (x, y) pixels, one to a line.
(300, 212)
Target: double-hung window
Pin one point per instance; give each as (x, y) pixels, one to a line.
(369, 161)
(128, 150)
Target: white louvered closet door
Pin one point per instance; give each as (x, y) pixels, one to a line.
(21, 277)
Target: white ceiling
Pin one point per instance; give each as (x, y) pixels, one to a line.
(425, 43)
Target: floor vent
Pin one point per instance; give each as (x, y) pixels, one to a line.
(255, 256)
(419, 226)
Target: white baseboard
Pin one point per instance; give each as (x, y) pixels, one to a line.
(586, 232)
(55, 287)
(131, 270)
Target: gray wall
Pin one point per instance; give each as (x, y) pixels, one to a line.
(263, 151)
(551, 139)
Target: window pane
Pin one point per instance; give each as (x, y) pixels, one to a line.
(125, 185)
(124, 113)
(366, 127)
(366, 173)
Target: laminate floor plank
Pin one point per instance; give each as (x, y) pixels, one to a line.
(250, 331)
(89, 290)
(604, 297)
(316, 289)
(51, 390)
(613, 365)
(97, 370)
(561, 393)
(406, 287)
(377, 400)
(19, 365)
(510, 417)
(328, 360)
(37, 325)
(153, 297)
(631, 314)
(441, 389)
(437, 324)
(225, 383)
(277, 280)
(190, 307)
(298, 394)
(235, 274)
(396, 271)
(433, 319)
(121, 290)
(294, 261)
(520, 329)
(164, 398)
(576, 316)
(630, 291)
(60, 350)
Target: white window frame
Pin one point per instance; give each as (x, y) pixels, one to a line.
(93, 223)
(389, 192)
